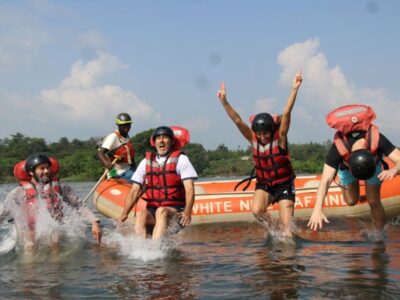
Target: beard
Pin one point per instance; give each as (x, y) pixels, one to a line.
(43, 180)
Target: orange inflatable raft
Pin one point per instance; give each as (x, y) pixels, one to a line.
(216, 201)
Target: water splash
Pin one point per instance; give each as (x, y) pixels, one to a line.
(36, 228)
(136, 247)
(276, 233)
(8, 238)
(374, 235)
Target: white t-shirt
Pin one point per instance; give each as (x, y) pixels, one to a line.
(111, 142)
(184, 168)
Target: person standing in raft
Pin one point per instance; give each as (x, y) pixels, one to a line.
(37, 176)
(274, 173)
(118, 145)
(167, 177)
(356, 154)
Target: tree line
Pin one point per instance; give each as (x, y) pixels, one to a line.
(79, 162)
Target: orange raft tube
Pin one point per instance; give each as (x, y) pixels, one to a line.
(216, 201)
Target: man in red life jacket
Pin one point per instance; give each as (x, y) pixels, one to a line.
(356, 154)
(167, 177)
(275, 177)
(119, 145)
(37, 179)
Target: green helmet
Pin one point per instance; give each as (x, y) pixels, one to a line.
(123, 118)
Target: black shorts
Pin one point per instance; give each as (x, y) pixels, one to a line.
(282, 191)
(152, 209)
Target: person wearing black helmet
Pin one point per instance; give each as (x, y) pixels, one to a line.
(167, 176)
(37, 176)
(356, 154)
(274, 174)
(118, 146)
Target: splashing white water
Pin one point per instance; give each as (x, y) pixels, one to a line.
(8, 238)
(45, 231)
(276, 233)
(374, 235)
(135, 247)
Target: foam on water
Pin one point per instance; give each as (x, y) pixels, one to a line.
(374, 235)
(136, 247)
(8, 238)
(276, 234)
(48, 232)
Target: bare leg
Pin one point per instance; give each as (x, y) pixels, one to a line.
(29, 240)
(286, 209)
(259, 206)
(351, 193)
(163, 215)
(374, 200)
(54, 240)
(143, 218)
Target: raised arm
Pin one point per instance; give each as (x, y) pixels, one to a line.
(286, 115)
(317, 217)
(235, 117)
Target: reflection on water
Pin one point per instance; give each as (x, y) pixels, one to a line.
(233, 261)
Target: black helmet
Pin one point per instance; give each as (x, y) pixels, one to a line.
(263, 122)
(362, 164)
(123, 118)
(35, 160)
(163, 130)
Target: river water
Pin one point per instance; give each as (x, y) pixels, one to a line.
(220, 261)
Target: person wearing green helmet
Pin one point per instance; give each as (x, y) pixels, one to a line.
(118, 147)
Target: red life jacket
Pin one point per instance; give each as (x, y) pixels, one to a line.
(350, 118)
(125, 151)
(50, 192)
(272, 164)
(164, 187)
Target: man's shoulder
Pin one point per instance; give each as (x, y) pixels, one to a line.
(17, 189)
(183, 156)
(109, 140)
(112, 135)
(16, 194)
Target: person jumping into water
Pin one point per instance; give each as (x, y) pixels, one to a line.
(274, 173)
(356, 154)
(167, 177)
(37, 176)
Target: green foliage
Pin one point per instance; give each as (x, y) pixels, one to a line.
(141, 143)
(198, 157)
(308, 158)
(79, 161)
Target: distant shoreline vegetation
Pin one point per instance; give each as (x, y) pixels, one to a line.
(79, 161)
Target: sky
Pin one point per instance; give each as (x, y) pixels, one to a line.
(67, 68)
